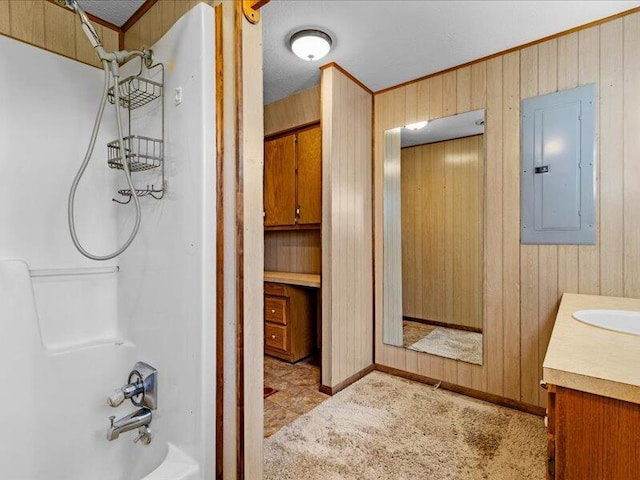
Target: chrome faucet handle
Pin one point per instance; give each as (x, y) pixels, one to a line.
(116, 398)
(144, 435)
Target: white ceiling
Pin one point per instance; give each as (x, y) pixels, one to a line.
(113, 11)
(387, 42)
(384, 43)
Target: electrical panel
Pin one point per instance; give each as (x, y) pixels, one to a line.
(558, 167)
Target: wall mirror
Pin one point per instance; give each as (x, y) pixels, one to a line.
(434, 236)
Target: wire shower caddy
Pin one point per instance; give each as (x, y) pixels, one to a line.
(141, 153)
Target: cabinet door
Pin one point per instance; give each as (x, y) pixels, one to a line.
(310, 176)
(279, 181)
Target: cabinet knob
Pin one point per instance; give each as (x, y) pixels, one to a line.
(273, 311)
(273, 336)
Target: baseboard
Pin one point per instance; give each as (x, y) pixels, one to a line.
(469, 392)
(434, 323)
(344, 384)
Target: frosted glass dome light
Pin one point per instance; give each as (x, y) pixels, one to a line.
(310, 45)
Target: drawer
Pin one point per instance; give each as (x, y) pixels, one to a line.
(275, 310)
(275, 289)
(275, 336)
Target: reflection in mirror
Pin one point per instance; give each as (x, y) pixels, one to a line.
(434, 236)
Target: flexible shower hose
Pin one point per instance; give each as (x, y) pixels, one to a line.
(85, 162)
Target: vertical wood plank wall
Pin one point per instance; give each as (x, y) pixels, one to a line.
(53, 28)
(293, 251)
(293, 111)
(252, 177)
(437, 233)
(523, 284)
(347, 293)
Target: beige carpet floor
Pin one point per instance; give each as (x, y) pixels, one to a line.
(384, 427)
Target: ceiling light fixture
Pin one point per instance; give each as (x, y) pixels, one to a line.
(416, 126)
(310, 45)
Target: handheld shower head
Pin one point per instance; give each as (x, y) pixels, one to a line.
(70, 4)
(89, 31)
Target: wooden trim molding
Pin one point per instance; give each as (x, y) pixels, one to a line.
(345, 383)
(138, 14)
(353, 79)
(219, 106)
(240, 363)
(469, 392)
(514, 49)
(288, 131)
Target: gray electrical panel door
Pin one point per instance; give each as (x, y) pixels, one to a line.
(558, 165)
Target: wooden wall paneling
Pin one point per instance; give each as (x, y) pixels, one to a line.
(477, 177)
(250, 198)
(631, 165)
(588, 72)
(5, 20)
(449, 107)
(169, 15)
(151, 25)
(493, 339)
(547, 254)
(133, 38)
(421, 104)
(611, 159)
(27, 21)
(327, 92)
(510, 298)
(296, 251)
(522, 298)
(110, 39)
(435, 90)
(59, 30)
(301, 108)
(567, 78)
(458, 228)
(529, 275)
(346, 135)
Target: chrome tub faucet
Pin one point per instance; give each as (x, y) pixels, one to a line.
(139, 419)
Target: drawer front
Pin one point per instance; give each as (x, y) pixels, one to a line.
(275, 289)
(275, 310)
(275, 336)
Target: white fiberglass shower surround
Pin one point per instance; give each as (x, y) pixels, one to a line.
(71, 329)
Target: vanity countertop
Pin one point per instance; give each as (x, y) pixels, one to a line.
(301, 279)
(592, 359)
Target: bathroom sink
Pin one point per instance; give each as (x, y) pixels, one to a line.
(617, 320)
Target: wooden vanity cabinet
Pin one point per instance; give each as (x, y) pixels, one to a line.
(293, 179)
(591, 437)
(288, 321)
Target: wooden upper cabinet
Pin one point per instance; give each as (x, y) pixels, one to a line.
(279, 181)
(293, 179)
(309, 158)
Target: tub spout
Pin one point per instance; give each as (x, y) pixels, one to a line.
(137, 419)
